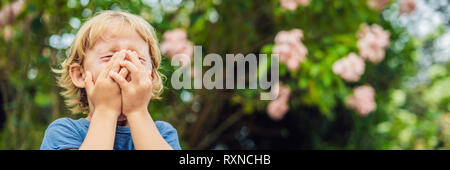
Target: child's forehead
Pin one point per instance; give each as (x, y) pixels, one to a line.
(117, 35)
(116, 30)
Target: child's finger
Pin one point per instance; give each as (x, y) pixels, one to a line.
(118, 79)
(123, 72)
(88, 82)
(134, 71)
(104, 73)
(108, 67)
(130, 66)
(116, 65)
(135, 60)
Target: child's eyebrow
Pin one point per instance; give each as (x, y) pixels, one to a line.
(104, 50)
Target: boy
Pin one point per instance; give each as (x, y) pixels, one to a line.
(111, 74)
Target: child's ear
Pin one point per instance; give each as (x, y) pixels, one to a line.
(77, 75)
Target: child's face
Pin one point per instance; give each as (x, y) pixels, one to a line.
(114, 41)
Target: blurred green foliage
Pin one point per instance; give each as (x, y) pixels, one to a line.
(406, 117)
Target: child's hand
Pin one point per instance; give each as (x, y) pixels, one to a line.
(104, 94)
(137, 92)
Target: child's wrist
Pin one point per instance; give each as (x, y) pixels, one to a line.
(106, 112)
(138, 113)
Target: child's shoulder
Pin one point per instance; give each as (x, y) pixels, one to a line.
(165, 128)
(169, 133)
(62, 133)
(65, 121)
(62, 120)
(66, 124)
(163, 125)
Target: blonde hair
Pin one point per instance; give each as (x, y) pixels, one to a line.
(85, 39)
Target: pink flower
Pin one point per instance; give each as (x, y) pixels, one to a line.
(293, 4)
(278, 108)
(378, 4)
(9, 13)
(407, 6)
(290, 48)
(350, 68)
(176, 42)
(372, 43)
(362, 100)
(303, 2)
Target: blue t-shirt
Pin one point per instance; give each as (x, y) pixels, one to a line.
(66, 133)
